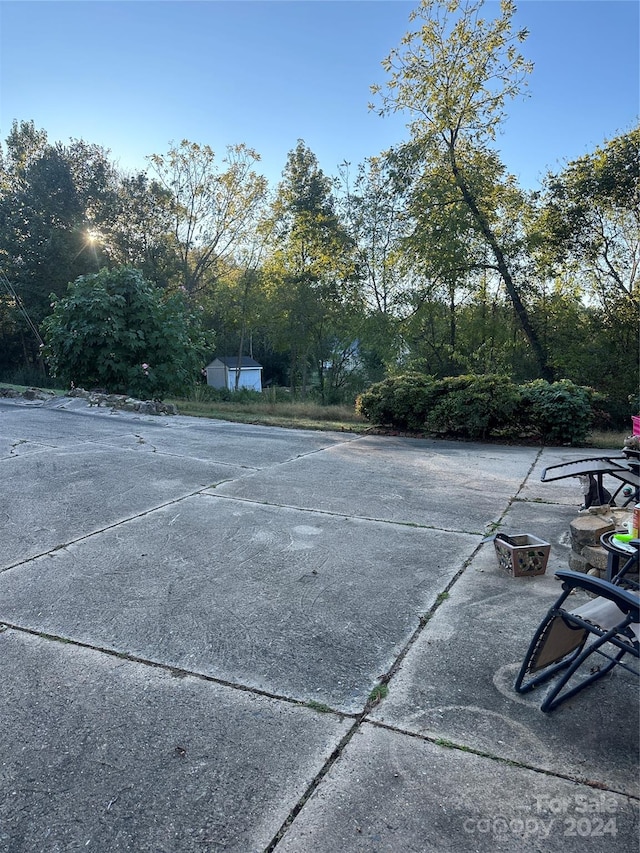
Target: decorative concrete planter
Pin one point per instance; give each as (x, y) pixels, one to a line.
(522, 554)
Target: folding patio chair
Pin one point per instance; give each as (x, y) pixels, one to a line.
(570, 637)
(624, 470)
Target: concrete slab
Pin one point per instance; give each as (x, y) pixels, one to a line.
(446, 485)
(456, 683)
(51, 425)
(391, 793)
(182, 597)
(294, 603)
(244, 445)
(55, 497)
(110, 755)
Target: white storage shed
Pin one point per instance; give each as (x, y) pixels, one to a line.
(222, 371)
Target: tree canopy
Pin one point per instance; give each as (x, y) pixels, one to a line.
(428, 257)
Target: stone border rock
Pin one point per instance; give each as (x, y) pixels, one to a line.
(28, 394)
(97, 398)
(587, 554)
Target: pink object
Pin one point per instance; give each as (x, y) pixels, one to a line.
(636, 424)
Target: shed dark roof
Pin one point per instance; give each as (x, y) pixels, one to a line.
(232, 361)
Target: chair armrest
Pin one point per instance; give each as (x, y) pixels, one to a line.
(591, 465)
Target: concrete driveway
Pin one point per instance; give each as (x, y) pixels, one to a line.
(195, 616)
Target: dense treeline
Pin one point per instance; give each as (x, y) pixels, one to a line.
(425, 259)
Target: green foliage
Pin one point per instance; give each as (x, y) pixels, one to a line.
(213, 209)
(332, 293)
(379, 692)
(314, 299)
(117, 331)
(591, 216)
(473, 406)
(401, 401)
(29, 377)
(479, 407)
(453, 75)
(208, 394)
(558, 412)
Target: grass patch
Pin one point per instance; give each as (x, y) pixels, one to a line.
(295, 415)
(58, 391)
(320, 707)
(314, 416)
(608, 440)
(379, 692)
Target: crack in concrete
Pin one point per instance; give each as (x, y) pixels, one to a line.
(359, 719)
(363, 717)
(176, 672)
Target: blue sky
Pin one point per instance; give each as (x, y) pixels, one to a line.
(133, 76)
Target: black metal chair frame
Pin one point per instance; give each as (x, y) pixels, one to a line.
(580, 639)
(625, 470)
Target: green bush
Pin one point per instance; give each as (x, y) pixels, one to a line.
(557, 413)
(115, 330)
(473, 406)
(478, 407)
(401, 401)
(31, 377)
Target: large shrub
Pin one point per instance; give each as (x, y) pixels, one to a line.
(478, 407)
(115, 330)
(473, 406)
(557, 412)
(401, 401)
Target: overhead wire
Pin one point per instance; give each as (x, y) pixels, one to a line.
(9, 288)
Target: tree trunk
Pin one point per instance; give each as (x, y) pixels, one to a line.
(546, 371)
(452, 317)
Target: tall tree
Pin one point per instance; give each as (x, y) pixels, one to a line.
(374, 212)
(311, 268)
(588, 236)
(454, 75)
(591, 220)
(138, 232)
(51, 196)
(213, 208)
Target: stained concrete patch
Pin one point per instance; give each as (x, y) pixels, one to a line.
(112, 755)
(52, 498)
(294, 603)
(390, 793)
(456, 683)
(398, 480)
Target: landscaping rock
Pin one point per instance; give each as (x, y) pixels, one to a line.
(595, 556)
(28, 394)
(97, 398)
(587, 529)
(577, 563)
(122, 401)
